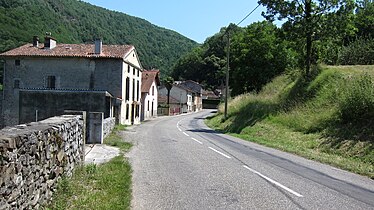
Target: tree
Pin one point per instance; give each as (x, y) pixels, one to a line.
(305, 16)
(257, 55)
(168, 82)
(365, 18)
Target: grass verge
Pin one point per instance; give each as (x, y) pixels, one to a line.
(328, 118)
(104, 186)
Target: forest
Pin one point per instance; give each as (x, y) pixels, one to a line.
(72, 21)
(328, 32)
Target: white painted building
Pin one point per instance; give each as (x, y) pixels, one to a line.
(150, 83)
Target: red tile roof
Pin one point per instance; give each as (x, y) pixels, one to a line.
(70, 50)
(147, 79)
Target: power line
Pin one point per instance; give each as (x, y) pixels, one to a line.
(227, 32)
(248, 15)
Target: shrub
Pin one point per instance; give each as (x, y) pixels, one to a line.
(357, 103)
(359, 52)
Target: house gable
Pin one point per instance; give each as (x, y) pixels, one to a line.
(131, 57)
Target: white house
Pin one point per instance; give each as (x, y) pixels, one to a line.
(150, 83)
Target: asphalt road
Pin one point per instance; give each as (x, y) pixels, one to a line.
(179, 163)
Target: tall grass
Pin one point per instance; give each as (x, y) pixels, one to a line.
(329, 117)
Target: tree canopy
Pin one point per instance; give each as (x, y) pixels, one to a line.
(336, 32)
(308, 18)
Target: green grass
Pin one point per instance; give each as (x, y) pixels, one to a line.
(116, 141)
(328, 117)
(104, 186)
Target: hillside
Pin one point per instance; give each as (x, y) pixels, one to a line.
(329, 118)
(72, 21)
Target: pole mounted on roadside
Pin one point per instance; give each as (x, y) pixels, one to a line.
(227, 89)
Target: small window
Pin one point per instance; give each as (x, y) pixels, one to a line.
(133, 90)
(127, 88)
(128, 69)
(16, 84)
(17, 62)
(153, 90)
(137, 90)
(127, 111)
(138, 72)
(148, 106)
(133, 71)
(51, 82)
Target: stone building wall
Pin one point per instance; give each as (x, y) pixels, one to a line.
(35, 156)
(108, 126)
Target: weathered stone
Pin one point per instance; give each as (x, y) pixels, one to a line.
(30, 170)
(4, 205)
(14, 196)
(35, 199)
(9, 143)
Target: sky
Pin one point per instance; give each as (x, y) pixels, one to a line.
(195, 19)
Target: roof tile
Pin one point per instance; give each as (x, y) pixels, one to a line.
(70, 50)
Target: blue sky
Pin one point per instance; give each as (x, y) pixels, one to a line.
(195, 19)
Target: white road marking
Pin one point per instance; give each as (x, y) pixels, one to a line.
(220, 153)
(178, 125)
(185, 134)
(274, 182)
(197, 141)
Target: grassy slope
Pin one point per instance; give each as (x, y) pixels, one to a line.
(306, 117)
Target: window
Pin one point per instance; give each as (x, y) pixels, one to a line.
(133, 71)
(17, 62)
(138, 72)
(127, 111)
(137, 90)
(137, 113)
(133, 89)
(51, 82)
(127, 88)
(148, 106)
(153, 90)
(16, 84)
(128, 69)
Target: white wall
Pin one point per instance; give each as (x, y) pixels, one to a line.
(134, 74)
(149, 99)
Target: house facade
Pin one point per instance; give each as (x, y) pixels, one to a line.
(188, 93)
(149, 99)
(73, 68)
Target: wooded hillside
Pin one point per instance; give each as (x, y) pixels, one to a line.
(72, 21)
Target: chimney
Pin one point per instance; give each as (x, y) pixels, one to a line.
(35, 41)
(98, 46)
(49, 41)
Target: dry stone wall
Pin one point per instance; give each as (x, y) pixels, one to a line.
(108, 125)
(35, 156)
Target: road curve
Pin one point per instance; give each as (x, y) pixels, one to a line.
(179, 163)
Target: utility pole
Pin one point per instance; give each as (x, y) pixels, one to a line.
(227, 71)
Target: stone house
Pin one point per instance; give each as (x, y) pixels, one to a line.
(107, 73)
(196, 89)
(149, 89)
(188, 93)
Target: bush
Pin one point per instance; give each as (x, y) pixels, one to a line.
(357, 103)
(359, 52)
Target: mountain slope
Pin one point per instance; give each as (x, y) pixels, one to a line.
(72, 21)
